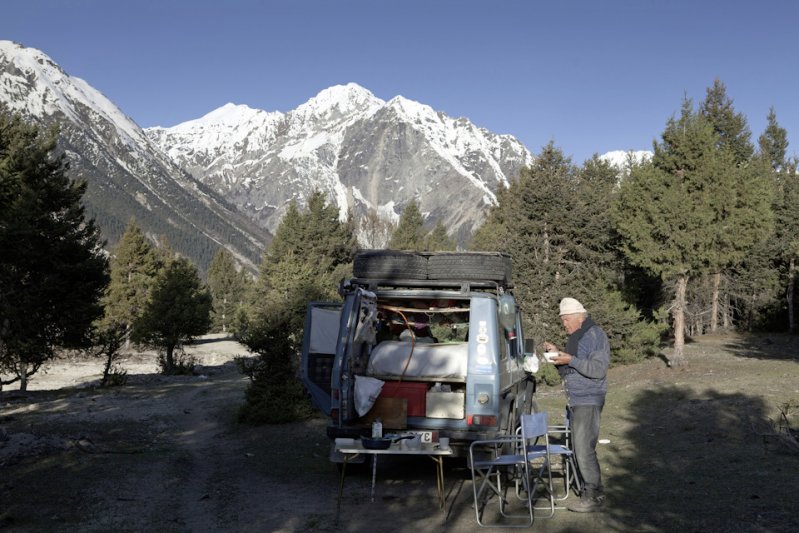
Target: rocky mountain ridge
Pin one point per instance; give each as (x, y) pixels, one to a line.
(364, 153)
(127, 175)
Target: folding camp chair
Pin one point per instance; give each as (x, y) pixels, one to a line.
(498, 465)
(540, 453)
(567, 466)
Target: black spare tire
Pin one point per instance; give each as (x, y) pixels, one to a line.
(490, 266)
(389, 264)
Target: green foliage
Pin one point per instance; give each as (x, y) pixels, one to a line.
(275, 395)
(107, 341)
(134, 268)
(631, 338)
(53, 271)
(663, 211)
(554, 222)
(312, 250)
(228, 288)
(178, 310)
(773, 142)
(438, 240)
(731, 129)
(315, 235)
(699, 208)
(409, 233)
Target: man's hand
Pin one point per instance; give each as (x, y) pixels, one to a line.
(563, 358)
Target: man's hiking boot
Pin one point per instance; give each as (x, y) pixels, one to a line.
(588, 504)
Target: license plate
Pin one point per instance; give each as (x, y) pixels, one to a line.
(428, 437)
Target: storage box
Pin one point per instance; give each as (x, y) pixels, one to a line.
(414, 392)
(445, 405)
(393, 412)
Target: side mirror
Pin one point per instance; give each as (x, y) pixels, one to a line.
(507, 312)
(529, 347)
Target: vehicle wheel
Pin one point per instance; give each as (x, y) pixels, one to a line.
(389, 264)
(490, 266)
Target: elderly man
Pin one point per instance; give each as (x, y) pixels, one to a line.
(583, 367)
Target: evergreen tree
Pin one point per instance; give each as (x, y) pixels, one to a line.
(553, 222)
(135, 264)
(775, 259)
(730, 127)
(316, 235)
(740, 191)
(663, 212)
(438, 240)
(177, 311)
(410, 233)
(787, 235)
(52, 270)
(228, 288)
(773, 142)
(312, 250)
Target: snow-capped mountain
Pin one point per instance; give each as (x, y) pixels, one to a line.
(620, 158)
(127, 175)
(363, 152)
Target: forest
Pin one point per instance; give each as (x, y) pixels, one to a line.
(701, 237)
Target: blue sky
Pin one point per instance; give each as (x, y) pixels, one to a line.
(592, 76)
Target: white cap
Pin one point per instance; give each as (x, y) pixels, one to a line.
(570, 306)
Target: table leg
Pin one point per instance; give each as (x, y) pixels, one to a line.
(341, 486)
(374, 474)
(440, 480)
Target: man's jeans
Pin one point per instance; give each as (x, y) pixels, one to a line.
(585, 434)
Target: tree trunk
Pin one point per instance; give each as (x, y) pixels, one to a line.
(23, 376)
(678, 358)
(727, 312)
(169, 362)
(714, 304)
(224, 315)
(789, 295)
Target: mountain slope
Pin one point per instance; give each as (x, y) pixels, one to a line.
(127, 175)
(363, 152)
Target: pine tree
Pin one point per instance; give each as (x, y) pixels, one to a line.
(664, 214)
(730, 127)
(740, 191)
(773, 142)
(784, 248)
(52, 270)
(177, 311)
(438, 240)
(410, 233)
(316, 235)
(228, 288)
(788, 235)
(135, 264)
(771, 268)
(553, 221)
(312, 250)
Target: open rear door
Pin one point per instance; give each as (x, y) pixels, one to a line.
(319, 342)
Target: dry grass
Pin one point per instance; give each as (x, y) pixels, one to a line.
(684, 451)
(693, 449)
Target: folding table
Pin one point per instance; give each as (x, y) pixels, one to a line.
(350, 451)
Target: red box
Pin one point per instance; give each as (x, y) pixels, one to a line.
(414, 392)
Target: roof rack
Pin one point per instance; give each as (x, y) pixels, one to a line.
(373, 284)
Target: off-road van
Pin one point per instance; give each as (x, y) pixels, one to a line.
(438, 332)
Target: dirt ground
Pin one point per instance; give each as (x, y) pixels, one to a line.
(687, 450)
